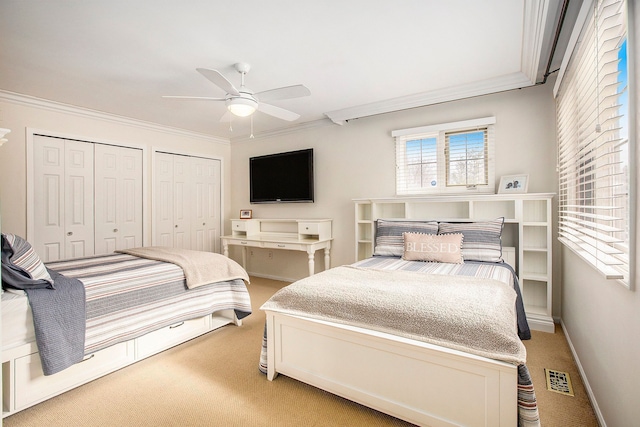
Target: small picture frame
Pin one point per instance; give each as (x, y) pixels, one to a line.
(513, 184)
(245, 214)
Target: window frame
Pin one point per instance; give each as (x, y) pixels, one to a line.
(440, 132)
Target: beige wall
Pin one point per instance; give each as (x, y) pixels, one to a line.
(602, 319)
(357, 160)
(19, 113)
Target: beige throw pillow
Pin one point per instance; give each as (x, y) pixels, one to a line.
(434, 248)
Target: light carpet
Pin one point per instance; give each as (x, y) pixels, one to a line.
(214, 380)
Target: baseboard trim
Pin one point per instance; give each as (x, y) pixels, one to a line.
(267, 276)
(585, 380)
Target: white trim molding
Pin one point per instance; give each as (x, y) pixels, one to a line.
(46, 104)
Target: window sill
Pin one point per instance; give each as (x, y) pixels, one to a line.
(607, 272)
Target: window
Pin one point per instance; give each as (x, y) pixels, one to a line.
(445, 158)
(594, 158)
(466, 158)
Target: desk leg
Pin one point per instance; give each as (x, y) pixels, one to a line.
(327, 257)
(312, 262)
(225, 248)
(244, 257)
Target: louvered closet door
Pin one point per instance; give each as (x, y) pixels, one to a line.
(63, 198)
(206, 201)
(118, 211)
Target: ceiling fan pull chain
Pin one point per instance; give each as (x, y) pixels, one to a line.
(251, 136)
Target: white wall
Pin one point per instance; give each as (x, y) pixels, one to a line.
(19, 113)
(602, 322)
(357, 160)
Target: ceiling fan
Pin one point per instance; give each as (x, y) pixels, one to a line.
(243, 102)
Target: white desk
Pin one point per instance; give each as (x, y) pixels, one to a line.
(308, 235)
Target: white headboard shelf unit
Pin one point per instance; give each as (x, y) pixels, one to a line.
(528, 228)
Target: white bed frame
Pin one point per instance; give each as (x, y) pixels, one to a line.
(24, 384)
(418, 382)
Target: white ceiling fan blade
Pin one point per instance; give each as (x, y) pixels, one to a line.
(287, 92)
(195, 98)
(278, 112)
(219, 80)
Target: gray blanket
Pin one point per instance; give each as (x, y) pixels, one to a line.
(470, 314)
(58, 311)
(59, 320)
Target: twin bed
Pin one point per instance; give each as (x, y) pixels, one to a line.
(433, 343)
(73, 321)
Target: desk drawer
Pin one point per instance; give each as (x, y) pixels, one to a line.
(308, 228)
(239, 225)
(289, 246)
(255, 244)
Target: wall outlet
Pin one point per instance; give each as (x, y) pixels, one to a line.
(270, 254)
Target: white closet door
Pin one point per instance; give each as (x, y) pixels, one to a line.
(182, 198)
(187, 202)
(118, 215)
(163, 200)
(206, 205)
(63, 198)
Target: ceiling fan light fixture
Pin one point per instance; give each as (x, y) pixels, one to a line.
(242, 107)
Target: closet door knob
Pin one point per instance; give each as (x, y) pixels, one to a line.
(70, 233)
(115, 230)
(176, 225)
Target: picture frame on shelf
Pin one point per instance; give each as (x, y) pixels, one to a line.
(513, 184)
(245, 214)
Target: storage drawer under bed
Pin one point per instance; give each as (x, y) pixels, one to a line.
(32, 386)
(157, 341)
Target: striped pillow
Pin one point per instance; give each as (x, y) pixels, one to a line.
(389, 240)
(26, 259)
(482, 240)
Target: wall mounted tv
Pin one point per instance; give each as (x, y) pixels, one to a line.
(282, 177)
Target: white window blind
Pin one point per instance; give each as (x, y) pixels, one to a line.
(467, 157)
(445, 158)
(593, 143)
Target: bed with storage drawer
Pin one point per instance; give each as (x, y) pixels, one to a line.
(69, 322)
(428, 330)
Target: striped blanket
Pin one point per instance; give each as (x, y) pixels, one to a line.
(527, 406)
(128, 296)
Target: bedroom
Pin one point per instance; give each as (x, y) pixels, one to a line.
(597, 314)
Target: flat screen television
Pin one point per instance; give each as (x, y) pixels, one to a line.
(282, 177)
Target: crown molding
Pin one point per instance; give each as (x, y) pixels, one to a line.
(534, 27)
(59, 107)
(499, 84)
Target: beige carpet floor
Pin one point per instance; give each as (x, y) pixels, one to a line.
(214, 380)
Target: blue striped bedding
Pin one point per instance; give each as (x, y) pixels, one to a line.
(127, 297)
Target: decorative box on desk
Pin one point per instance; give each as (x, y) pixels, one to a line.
(306, 235)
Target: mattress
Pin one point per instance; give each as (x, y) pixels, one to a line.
(17, 320)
